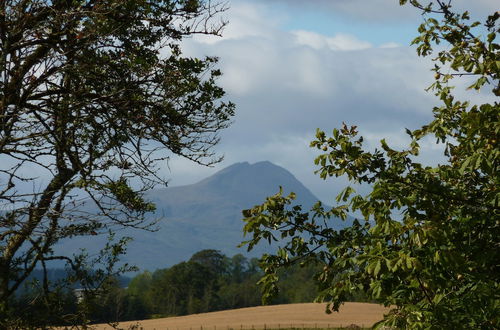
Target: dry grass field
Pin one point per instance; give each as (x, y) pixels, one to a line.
(270, 317)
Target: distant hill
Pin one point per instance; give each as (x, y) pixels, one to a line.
(220, 198)
(206, 215)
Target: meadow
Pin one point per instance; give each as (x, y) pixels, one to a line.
(290, 316)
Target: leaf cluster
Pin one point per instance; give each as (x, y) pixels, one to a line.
(427, 242)
(95, 97)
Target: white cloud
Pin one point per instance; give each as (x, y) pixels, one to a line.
(338, 42)
(372, 10)
(246, 20)
(287, 84)
(390, 45)
(382, 11)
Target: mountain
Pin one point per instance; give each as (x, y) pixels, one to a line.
(230, 190)
(206, 215)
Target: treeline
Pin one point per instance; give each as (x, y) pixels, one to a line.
(208, 281)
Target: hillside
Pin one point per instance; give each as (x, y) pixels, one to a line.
(205, 215)
(310, 315)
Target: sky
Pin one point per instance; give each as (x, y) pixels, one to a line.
(292, 66)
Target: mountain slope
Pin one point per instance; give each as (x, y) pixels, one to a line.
(230, 190)
(207, 214)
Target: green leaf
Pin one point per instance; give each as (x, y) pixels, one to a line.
(377, 268)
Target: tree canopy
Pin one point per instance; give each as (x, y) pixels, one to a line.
(193, 287)
(95, 95)
(427, 243)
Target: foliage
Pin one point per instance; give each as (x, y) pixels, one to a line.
(185, 288)
(29, 306)
(209, 281)
(429, 242)
(94, 97)
(212, 259)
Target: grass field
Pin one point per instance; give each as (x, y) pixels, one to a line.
(294, 316)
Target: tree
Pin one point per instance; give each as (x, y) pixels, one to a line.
(138, 296)
(209, 281)
(94, 96)
(185, 288)
(428, 244)
(213, 260)
(238, 267)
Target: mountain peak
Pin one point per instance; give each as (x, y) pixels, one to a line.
(207, 214)
(261, 166)
(265, 163)
(229, 169)
(246, 166)
(247, 184)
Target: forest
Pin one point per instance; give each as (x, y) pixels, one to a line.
(208, 281)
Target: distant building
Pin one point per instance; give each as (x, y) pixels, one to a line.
(79, 294)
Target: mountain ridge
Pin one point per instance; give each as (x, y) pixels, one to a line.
(206, 214)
